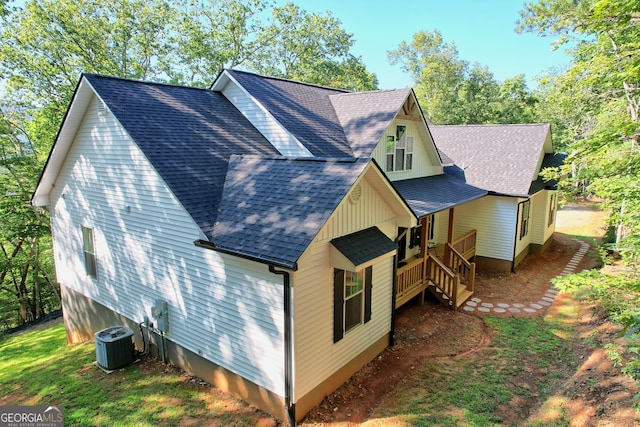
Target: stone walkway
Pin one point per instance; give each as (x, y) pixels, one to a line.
(476, 304)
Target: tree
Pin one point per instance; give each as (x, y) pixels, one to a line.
(45, 45)
(602, 88)
(453, 91)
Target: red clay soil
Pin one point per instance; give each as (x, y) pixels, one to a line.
(596, 395)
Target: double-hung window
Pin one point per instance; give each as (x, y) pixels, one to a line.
(88, 248)
(352, 300)
(399, 150)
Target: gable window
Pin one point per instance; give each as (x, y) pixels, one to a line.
(552, 209)
(524, 221)
(399, 150)
(352, 300)
(88, 248)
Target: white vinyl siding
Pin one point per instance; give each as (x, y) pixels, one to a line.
(227, 309)
(422, 162)
(316, 354)
(494, 218)
(540, 229)
(259, 117)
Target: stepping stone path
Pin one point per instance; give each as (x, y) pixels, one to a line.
(476, 304)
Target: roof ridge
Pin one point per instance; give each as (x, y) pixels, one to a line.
(301, 159)
(492, 125)
(144, 82)
(282, 79)
(369, 92)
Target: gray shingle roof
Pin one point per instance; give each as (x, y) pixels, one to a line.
(188, 135)
(435, 193)
(303, 109)
(365, 116)
(328, 122)
(273, 207)
(364, 245)
(498, 158)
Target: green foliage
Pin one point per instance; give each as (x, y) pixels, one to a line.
(594, 104)
(620, 297)
(46, 45)
(453, 91)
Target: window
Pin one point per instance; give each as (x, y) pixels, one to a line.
(432, 227)
(524, 222)
(416, 236)
(352, 300)
(399, 150)
(89, 252)
(552, 208)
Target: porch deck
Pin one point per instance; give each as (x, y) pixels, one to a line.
(446, 273)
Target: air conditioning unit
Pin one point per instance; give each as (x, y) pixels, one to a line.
(114, 347)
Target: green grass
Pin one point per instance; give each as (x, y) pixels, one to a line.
(39, 368)
(474, 391)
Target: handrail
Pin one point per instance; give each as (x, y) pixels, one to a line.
(458, 263)
(409, 275)
(466, 245)
(443, 278)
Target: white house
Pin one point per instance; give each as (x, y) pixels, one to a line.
(277, 224)
(518, 215)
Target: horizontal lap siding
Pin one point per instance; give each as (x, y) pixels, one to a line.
(226, 309)
(541, 231)
(316, 355)
(494, 218)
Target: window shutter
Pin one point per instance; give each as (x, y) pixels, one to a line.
(338, 303)
(368, 284)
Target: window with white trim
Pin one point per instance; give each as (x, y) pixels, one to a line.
(352, 300)
(399, 150)
(88, 248)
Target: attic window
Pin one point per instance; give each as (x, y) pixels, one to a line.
(399, 150)
(355, 195)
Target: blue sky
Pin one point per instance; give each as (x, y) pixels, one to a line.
(483, 31)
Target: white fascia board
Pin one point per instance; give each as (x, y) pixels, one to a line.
(70, 125)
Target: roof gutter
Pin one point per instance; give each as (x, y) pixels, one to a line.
(290, 407)
(210, 245)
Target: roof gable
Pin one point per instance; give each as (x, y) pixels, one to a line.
(365, 116)
(303, 109)
(504, 159)
(273, 207)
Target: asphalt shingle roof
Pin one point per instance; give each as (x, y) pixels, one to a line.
(328, 122)
(273, 207)
(365, 116)
(364, 245)
(498, 158)
(303, 109)
(432, 194)
(188, 134)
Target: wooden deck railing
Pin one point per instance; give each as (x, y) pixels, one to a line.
(466, 245)
(409, 280)
(443, 278)
(458, 264)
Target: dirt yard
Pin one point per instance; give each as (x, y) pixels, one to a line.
(596, 394)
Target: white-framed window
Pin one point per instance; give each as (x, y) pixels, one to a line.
(399, 150)
(524, 221)
(352, 300)
(88, 248)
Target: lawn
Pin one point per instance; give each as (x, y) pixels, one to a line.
(39, 368)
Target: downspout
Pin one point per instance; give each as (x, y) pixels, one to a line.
(515, 238)
(289, 406)
(392, 333)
